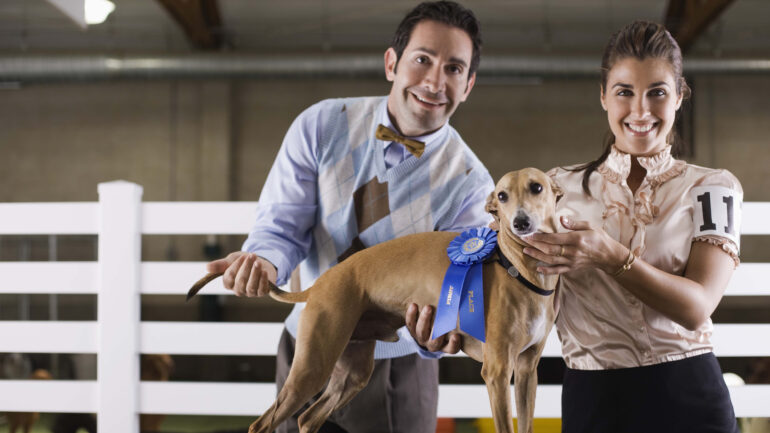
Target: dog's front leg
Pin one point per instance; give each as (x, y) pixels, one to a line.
(497, 371)
(525, 386)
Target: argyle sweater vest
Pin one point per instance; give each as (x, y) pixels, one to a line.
(361, 203)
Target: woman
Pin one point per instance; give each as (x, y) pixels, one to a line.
(649, 246)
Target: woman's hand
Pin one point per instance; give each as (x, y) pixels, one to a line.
(582, 247)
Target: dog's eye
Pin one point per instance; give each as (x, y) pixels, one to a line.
(536, 188)
(502, 196)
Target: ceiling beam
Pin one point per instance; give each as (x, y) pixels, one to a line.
(200, 20)
(688, 19)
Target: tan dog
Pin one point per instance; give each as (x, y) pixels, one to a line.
(25, 420)
(365, 298)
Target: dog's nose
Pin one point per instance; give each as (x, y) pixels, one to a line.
(521, 224)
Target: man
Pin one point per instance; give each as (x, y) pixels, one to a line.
(342, 182)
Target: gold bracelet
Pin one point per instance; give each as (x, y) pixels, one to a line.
(626, 266)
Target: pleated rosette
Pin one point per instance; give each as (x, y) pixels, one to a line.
(462, 292)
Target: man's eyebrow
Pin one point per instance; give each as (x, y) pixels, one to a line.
(434, 53)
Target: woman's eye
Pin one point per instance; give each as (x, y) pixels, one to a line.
(502, 196)
(657, 92)
(625, 93)
(422, 59)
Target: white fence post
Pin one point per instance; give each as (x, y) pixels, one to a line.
(118, 307)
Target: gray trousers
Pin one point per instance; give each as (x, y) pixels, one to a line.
(401, 397)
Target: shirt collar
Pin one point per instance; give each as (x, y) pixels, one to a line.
(619, 162)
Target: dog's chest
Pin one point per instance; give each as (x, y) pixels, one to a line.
(537, 328)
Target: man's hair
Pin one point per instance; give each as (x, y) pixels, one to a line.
(446, 12)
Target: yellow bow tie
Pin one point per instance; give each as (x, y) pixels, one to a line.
(415, 147)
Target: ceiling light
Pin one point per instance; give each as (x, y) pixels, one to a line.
(98, 10)
(85, 12)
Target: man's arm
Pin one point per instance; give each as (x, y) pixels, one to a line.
(472, 213)
(282, 232)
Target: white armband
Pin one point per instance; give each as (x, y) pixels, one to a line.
(717, 211)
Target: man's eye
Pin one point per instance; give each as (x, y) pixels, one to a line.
(502, 196)
(454, 69)
(422, 59)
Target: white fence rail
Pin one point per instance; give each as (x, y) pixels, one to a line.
(118, 335)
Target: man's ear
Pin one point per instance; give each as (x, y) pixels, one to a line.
(391, 60)
(469, 87)
(491, 206)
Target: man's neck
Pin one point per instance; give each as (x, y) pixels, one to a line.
(408, 133)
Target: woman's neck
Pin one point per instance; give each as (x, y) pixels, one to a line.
(636, 175)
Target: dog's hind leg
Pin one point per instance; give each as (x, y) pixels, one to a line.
(351, 374)
(322, 336)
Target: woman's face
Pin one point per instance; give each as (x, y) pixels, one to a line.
(641, 103)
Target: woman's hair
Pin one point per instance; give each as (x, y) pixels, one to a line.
(641, 40)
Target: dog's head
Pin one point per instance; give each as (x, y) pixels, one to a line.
(524, 202)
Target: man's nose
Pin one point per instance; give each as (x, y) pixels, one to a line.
(435, 79)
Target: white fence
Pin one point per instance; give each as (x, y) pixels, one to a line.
(118, 336)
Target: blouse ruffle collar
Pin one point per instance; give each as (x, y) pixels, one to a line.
(660, 167)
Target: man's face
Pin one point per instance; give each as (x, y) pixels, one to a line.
(431, 78)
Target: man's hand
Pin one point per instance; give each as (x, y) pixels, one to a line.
(420, 323)
(246, 274)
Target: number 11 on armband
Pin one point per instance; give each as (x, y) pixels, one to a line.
(717, 211)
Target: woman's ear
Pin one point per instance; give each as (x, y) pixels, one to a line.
(601, 98)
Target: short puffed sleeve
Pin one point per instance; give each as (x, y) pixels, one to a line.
(717, 200)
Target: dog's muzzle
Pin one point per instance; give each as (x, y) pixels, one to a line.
(523, 224)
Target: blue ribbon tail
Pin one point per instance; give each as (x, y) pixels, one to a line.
(472, 304)
(449, 301)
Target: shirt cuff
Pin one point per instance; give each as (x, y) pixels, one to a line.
(279, 261)
(425, 354)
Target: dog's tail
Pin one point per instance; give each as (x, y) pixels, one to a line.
(275, 292)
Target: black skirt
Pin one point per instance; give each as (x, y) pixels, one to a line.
(688, 395)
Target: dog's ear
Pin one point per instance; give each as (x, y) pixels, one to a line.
(491, 206)
(556, 189)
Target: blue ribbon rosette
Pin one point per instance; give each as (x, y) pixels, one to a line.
(462, 292)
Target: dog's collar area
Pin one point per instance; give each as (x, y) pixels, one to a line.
(512, 271)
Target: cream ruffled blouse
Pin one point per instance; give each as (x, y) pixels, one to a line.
(602, 325)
